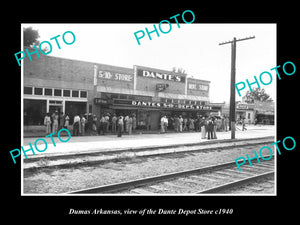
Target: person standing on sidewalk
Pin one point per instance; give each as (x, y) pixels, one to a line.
(133, 122)
(243, 125)
(47, 123)
(83, 122)
(191, 124)
(94, 125)
(55, 122)
(210, 128)
(126, 118)
(120, 125)
(76, 125)
(61, 120)
(129, 125)
(180, 123)
(162, 120)
(203, 128)
(176, 122)
(166, 124)
(106, 123)
(185, 120)
(67, 118)
(214, 128)
(114, 124)
(102, 125)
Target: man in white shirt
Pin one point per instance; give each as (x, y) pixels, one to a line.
(76, 125)
(166, 123)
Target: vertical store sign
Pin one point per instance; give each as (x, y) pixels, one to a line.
(134, 77)
(95, 74)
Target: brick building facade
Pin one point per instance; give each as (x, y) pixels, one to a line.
(72, 86)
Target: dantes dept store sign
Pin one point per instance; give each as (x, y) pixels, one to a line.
(160, 76)
(159, 104)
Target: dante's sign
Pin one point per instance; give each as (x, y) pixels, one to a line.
(160, 76)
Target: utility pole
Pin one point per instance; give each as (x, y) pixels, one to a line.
(232, 82)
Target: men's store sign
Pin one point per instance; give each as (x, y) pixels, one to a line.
(159, 104)
(160, 76)
(195, 86)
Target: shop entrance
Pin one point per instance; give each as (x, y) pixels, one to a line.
(155, 119)
(72, 108)
(148, 117)
(53, 108)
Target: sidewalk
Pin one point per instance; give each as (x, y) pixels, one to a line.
(88, 144)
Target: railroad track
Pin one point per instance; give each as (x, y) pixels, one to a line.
(90, 158)
(210, 179)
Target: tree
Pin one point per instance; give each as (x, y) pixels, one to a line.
(30, 37)
(257, 94)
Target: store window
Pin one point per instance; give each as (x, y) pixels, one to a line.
(34, 111)
(75, 94)
(28, 90)
(67, 93)
(48, 91)
(38, 91)
(57, 92)
(83, 94)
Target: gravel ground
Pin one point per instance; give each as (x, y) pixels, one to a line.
(56, 181)
(265, 186)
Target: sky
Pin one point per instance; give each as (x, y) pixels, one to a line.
(193, 47)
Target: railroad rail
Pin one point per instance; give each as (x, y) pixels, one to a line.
(67, 161)
(210, 179)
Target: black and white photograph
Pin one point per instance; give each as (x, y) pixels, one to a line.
(108, 111)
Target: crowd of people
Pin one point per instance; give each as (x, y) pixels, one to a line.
(55, 122)
(89, 124)
(205, 125)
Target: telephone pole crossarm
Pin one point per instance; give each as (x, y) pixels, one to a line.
(241, 39)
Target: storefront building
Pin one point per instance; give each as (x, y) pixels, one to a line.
(54, 84)
(252, 113)
(245, 111)
(265, 112)
(150, 93)
(71, 86)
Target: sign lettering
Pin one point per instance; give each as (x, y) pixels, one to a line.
(161, 76)
(115, 76)
(160, 104)
(195, 86)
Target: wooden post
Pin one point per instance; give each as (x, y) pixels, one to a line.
(232, 83)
